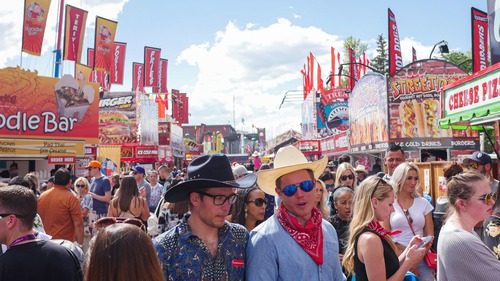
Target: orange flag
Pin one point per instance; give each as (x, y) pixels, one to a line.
(105, 31)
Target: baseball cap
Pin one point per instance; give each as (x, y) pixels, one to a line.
(94, 164)
(139, 170)
(479, 157)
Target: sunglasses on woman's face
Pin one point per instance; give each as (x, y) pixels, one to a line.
(259, 202)
(291, 189)
(80, 185)
(488, 198)
(344, 178)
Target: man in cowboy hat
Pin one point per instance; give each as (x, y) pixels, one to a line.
(205, 246)
(296, 243)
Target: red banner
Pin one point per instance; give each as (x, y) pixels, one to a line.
(74, 33)
(395, 57)
(151, 66)
(35, 18)
(103, 78)
(479, 21)
(90, 57)
(105, 31)
(353, 74)
(413, 54)
(180, 107)
(162, 76)
(118, 66)
(137, 77)
(58, 160)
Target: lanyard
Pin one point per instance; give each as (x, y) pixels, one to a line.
(22, 239)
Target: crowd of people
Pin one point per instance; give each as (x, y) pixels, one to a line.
(290, 220)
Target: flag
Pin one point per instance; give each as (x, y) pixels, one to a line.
(332, 58)
(479, 21)
(117, 68)
(365, 63)
(35, 19)
(395, 57)
(74, 33)
(413, 54)
(105, 31)
(162, 75)
(90, 57)
(351, 81)
(83, 73)
(319, 80)
(151, 66)
(180, 107)
(137, 77)
(175, 103)
(340, 77)
(305, 82)
(161, 106)
(103, 78)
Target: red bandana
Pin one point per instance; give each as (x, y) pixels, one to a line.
(309, 237)
(380, 230)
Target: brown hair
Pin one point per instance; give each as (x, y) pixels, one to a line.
(461, 186)
(452, 169)
(128, 190)
(20, 201)
(111, 257)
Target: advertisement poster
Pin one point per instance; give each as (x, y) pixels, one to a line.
(333, 114)
(35, 18)
(368, 113)
(480, 48)
(117, 118)
(36, 106)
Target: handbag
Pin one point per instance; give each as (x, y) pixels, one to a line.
(431, 256)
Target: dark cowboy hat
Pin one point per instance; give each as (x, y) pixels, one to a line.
(208, 171)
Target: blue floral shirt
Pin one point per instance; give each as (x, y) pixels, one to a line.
(185, 257)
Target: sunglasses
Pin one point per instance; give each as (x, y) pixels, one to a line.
(408, 216)
(219, 200)
(259, 202)
(291, 189)
(473, 165)
(489, 198)
(343, 178)
(9, 214)
(80, 185)
(380, 180)
(107, 221)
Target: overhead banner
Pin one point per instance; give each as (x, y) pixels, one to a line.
(74, 33)
(353, 73)
(117, 69)
(137, 77)
(414, 101)
(479, 21)
(35, 19)
(162, 76)
(105, 31)
(368, 114)
(117, 118)
(413, 54)
(151, 66)
(395, 57)
(494, 30)
(83, 73)
(36, 106)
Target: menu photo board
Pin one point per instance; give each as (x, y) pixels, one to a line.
(117, 118)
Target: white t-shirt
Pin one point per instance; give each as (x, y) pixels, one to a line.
(418, 210)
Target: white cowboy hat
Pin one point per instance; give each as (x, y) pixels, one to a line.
(288, 159)
(361, 168)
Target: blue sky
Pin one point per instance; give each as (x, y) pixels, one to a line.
(249, 50)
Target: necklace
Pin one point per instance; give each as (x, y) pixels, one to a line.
(22, 239)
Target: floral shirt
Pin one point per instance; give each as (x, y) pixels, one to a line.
(185, 257)
(491, 235)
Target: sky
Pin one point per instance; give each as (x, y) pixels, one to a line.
(237, 59)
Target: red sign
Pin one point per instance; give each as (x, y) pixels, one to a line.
(335, 144)
(118, 65)
(74, 33)
(35, 18)
(395, 57)
(137, 77)
(151, 66)
(479, 20)
(61, 160)
(162, 76)
(90, 151)
(105, 31)
(141, 153)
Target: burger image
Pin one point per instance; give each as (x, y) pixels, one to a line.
(114, 124)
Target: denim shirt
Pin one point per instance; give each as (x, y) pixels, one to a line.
(272, 254)
(185, 257)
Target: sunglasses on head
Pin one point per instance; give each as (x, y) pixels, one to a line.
(291, 189)
(107, 221)
(489, 198)
(258, 202)
(343, 178)
(380, 180)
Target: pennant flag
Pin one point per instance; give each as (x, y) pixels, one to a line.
(305, 83)
(35, 19)
(340, 77)
(332, 58)
(479, 21)
(162, 76)
(319, 80)
(151, 66)
(413, 54)
(365, 63)
(105, 31)
(117, 68)
(103, 78)
(395, 57)
(74, 33)
(175, 103)
(161, 106)
(137, 77)
(353, 77)
(90, 57)
(83, 73)
(183, 109)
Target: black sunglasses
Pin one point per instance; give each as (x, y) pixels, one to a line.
(343, 178)
(380, 179)
(80, 185)
(259, 202)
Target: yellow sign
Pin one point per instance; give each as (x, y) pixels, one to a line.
(37, 148)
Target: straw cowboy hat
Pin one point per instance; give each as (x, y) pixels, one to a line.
(208, 171)
(288, 159)
(361, 169)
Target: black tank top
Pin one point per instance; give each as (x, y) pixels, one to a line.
(390, 257)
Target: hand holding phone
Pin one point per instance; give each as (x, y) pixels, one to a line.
(426, 240)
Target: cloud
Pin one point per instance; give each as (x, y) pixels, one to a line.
(255, 65)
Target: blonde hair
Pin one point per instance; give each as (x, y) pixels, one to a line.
(84, 180)
(341, 169)
(323, 202)
(400, 175)
(363, 214)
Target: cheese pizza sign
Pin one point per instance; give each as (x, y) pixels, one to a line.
(33, 106)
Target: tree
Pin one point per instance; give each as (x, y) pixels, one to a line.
(462, 60)
(358, 48)
(380, 61)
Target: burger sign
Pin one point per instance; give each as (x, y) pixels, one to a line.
(117, 118)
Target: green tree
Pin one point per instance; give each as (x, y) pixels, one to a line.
(461, 59)
(380, 60)
(358, 48)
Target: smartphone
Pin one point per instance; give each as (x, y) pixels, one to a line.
(426, 240)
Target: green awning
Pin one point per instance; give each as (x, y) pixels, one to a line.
(463, 121)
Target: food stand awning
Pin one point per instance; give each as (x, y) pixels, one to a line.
(472, 101)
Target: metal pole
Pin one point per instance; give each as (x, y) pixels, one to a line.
(58, 63)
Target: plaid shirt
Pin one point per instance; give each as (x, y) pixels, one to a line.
(185, 257)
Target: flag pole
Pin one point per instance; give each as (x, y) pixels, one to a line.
(58, 63)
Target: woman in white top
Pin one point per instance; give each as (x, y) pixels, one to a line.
(461, 253)
(412, 213)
